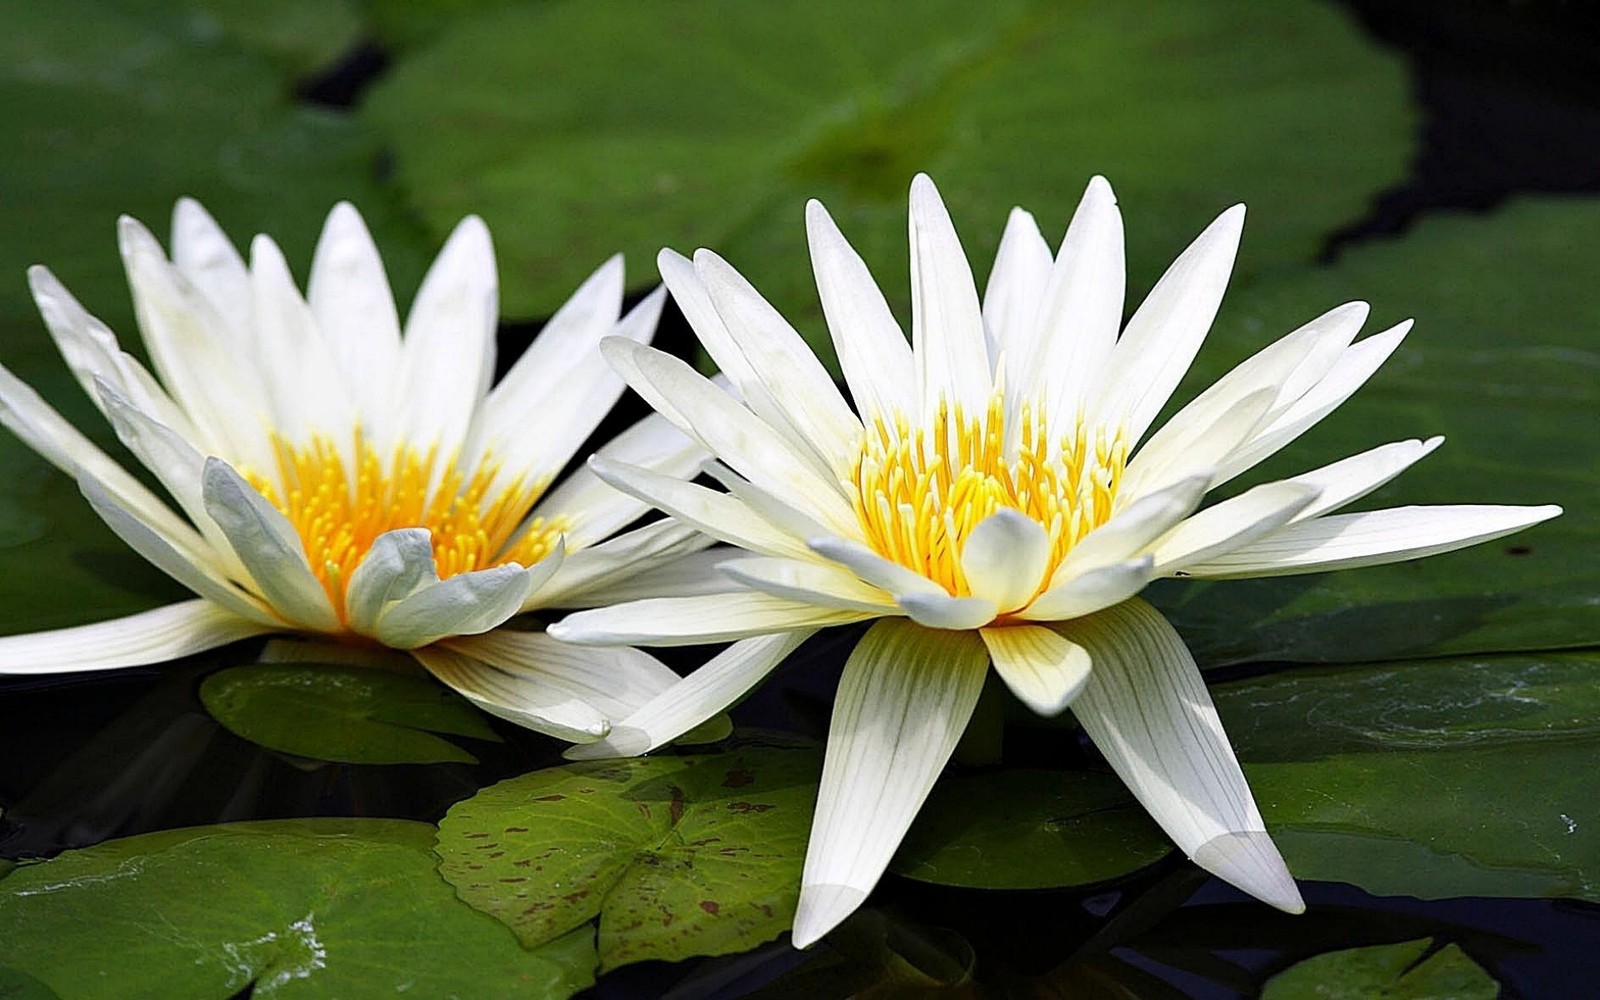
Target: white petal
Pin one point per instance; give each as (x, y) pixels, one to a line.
(770, 507)
(354, 307)
(687, 621)
(528, 700)
(942, 611)
(1082, 308)
(447, 357)
(1147, 709)
(873, 568)
(615, 680)
(946, 321)
(1015, 291)
(709, 690)
(1133, 528)
(1233, 523)
(1091, 590)
(1357, 364)
(1350, 479)
(397, 565)
(149, 637)
(464, 604)
(691, 575)
(903, 702)
(305, 383)
(205, 256)
(1041, 667)
(1178, 451)
(1344, 541)
(1165, 333)
(717, 514)
(872, 349)
(587, 575)
(1004, 558)
(811, 582)
(569, 340)
(268, 546)
(599, 509)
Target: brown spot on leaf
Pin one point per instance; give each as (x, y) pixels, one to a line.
(677, 804)
(515, 878)
(738, 778)
(476, 836)
(516, 829)
(749, 807)
(710, 907)
(551, 798)
(1518, 550)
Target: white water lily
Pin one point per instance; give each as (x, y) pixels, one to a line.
(995, 498)
(338, 478)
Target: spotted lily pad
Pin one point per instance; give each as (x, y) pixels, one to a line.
(1410, 970)
(351, 714)
(676, 856)
(298, 908)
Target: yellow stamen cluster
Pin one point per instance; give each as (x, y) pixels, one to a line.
(339, 510)
(919, 491)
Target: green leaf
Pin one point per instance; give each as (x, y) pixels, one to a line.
(299, 908)
(1385, 972)
(1029, 830)
(352, 714)
(1505, 362)
(1432, 778)
(677, 856)
(581, 129)
(17, 985)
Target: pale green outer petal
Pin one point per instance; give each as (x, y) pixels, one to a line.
(398, 564)
(873, 352)
(447, 356)
(1177, 452)
(1042, 668)
(1166, 331)
(1233, 523)
(1345, 541)
(615, 680)
(269, 547)
(1134, 527)
(942, 611)
(529, 700)
(719, 515)
(1014, 293)
(349, 295)
(903, 702)
(205, 256)
(1004, 558)
(687, 621)
(588, 575)
(599, 509)
(464, 604)
(1082, 309)
(946, 321)
(201, 577)
(148, 637)
(1350, 479)
(1091, 590)
(873, 568)
(713, 687)
(812, 582)
(1147, 709)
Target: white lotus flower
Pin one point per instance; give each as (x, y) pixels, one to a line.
(337, 479)
(995, 499)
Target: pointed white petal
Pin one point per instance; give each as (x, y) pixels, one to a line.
(946, 321)
(1345, 541)
(1147, 709)
(587, 576)
(903, 702)
(149, 637)
(268, 546)
(1133, 528)
(205, 256)
(1004, 558)
(1165, 333)
(1041, 667)
(873, 568)
(1091, 590)
(569, 340)
(447, 357)
(1178, 451)
(710, 689)
(811, 582)
(687, 621)
(942, 611)
(527, 699)
(691, 575)
(1015, 291)
(615, 680)
(721, 516)
(770, 507)
(354, 307)
(304, 382)
(464, 604)
(1350, 479)
(1082, 308)
(397, 565)
(872, 349)
(599, 509)
(1233, 523)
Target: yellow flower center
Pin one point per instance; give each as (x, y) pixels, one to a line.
(920, 491)
(340, 511)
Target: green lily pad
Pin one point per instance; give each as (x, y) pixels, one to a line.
(1505, 362)
(677, 856)
(1029, 830)
(15, 985)
(1430, 778)
(351, 714)
(299, 908)
(582, 129)
(1385, 972)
